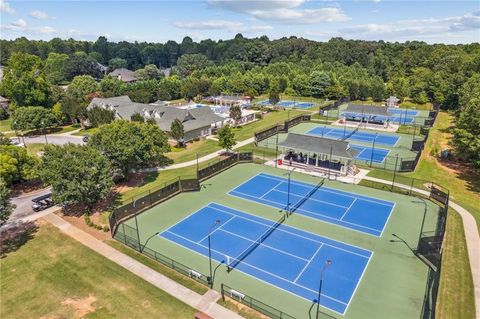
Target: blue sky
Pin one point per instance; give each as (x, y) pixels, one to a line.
(159, 21)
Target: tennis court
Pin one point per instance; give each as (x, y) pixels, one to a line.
(365, 154)
(361, 213)
(277, 254)
(289, 103)
(352, 135)
(401, 119)
(402, 111)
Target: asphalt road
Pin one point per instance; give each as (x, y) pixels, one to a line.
(23, 204)
(56, 139)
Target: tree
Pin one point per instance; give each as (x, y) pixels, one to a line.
(24, 81)
(319, 81)
(177, 131)
(188, 63)
(235, 113)
(57, 67)
(111, 87)
(4, 140)
(149, 72)
(273, 97)
(16, 164)
(137, 117)
(117, 63)
(33, 118)
(74, 108)
(81, 87)
(466, 136)
(130, 145)
(6, 207)
(226, 138)
(98, 116)
(78, 174)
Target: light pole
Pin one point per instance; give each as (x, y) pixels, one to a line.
(210, 251)
(144, 245)
(328, 262)
(421, 201)
(288, 190)
(373, 148)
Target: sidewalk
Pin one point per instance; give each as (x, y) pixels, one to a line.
(206, 303)
(472, 238)
(194, 162)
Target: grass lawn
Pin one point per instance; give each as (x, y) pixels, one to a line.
(88, 131)
(246, 131)
(5, 125)
(455, 296)
(155, 265)
(35, 148)
(53, 276)
(201, 148)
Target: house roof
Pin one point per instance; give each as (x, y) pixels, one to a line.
(164, 115)
(123, 74)
(393, 99)
(319, 145)
(366, 109)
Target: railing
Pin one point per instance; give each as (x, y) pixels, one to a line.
(253, 303)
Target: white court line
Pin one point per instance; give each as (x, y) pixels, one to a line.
(341, 218)
(333, 191)
(219, 227)
(271, 189)
(303, 237)
(308, 263)
(310, 198)
(259, 269)
(310, 212)
(262, 244)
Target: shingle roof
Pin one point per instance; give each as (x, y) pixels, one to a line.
(366, 109)
(163, 115)
(123, 74)
(319, 145)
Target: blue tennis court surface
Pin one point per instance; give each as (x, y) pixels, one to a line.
(402, 111)
(289, 259)
(289, 103)
(401, 118)
(365, 154)
(362, 213)
(338, 134)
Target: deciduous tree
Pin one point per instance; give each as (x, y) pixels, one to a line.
(226, 138)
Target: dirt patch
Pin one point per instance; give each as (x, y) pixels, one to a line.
(82, 306)
(134, 180)
(79, 222)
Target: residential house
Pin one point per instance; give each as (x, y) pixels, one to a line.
(197, 122)
(124, 75)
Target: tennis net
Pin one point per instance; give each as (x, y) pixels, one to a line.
(351, 133)
(257, 243)
(304, 199)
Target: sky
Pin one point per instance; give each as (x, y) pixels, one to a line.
(448, 22)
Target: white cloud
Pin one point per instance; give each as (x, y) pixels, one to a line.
(20, 23)
(37, 14)
(282, 11)
(44, 30)
(5, 7)
(411, 29)
(232, 26)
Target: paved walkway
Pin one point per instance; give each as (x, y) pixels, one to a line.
(194, 162)
(206, 303)
(471, 236)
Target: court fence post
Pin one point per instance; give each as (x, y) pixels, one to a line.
(222, 291)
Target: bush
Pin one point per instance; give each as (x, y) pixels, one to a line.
(196, 139)
(258, 116)
(106, 228)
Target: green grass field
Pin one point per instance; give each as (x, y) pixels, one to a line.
(202, 148)
(386, 287)
(53, 276)
(5, 125)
